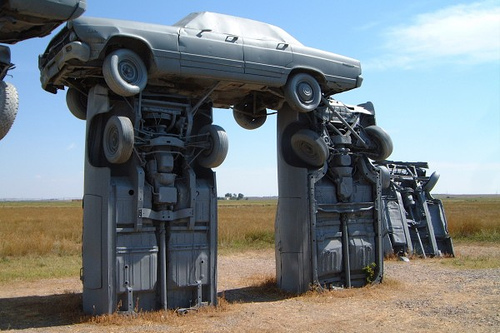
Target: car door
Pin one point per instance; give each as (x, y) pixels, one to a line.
(267, 58)
(210, 54)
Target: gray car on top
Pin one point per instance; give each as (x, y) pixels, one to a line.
(235, 62)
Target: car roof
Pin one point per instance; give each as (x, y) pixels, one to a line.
(236, 26)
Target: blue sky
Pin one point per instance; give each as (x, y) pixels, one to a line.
(431, 68)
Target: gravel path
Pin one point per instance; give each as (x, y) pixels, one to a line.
(421, 295)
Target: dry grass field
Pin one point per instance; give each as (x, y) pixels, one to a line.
(40, 288)
(473, 218)
(246, 224)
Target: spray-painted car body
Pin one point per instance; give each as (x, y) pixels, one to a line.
(323, 165)
(414, 221)
(20, 20)
(238, 58)
(23, 19)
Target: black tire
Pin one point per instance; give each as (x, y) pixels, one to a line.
(219, 146)
(303, 92)
(433, 179)
(77, 103)
(381, 146)
(9, 104)
(124, 72)
(309, 147)
(249, 121)
(118, 139)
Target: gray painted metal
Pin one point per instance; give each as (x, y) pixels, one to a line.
(24, 19)
(20, 20)
(414, 221)
(252, 60)
(150, 211)
(328, 223)
(150, 223)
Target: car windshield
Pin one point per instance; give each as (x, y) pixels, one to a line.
(236, 26)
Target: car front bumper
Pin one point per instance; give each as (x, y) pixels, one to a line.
(53, 69)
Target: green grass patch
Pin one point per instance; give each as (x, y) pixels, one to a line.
(472, 262)
(32, 268)
(473, 255)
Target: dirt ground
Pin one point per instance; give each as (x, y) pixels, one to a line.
(416, 296)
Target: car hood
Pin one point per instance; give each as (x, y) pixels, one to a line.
(24, 19)
(93, 29)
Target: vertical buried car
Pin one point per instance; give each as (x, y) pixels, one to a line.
(324, 158)
(414, 221)
(20, 20)
(235, 63)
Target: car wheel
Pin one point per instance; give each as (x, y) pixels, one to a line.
(303, 93)
(118, 139)
(9, 104)
(77, 103)
(310, 147)
(125, 72)
(433, 179)
(219, 146)
(250, 121)
(380, 143)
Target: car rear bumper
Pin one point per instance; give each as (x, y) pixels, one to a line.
(339, 84)
(359, 81)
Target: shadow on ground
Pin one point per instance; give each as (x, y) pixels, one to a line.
(66, 309)
(266, 292)
(40, 311)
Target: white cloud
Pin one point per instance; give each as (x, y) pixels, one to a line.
(459, 34)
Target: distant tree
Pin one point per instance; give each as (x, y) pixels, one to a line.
(234, 196)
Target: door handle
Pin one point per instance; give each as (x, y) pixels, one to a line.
(231, 39)
(199, 34)
(282, 46)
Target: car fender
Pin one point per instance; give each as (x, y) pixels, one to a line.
(320, 77)
(132, 42)
(340, 73)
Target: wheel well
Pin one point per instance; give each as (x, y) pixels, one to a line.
(139, 46)
(318, 76)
